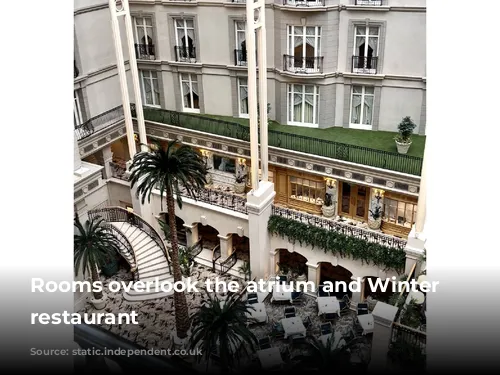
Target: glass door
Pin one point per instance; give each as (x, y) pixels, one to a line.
(354, 201)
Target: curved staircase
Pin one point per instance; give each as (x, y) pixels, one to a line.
(143, 249)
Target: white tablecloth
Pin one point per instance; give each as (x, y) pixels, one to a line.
(259, 314)
(269, 358)
(366, 322)
(281, 296)
(293, 326)
(328, 305)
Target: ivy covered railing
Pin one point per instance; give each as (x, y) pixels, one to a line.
(340, 239)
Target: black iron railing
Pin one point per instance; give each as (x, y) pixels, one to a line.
(304, 3)
(228, 263)
(364, 64)
(185, 54)
(414, 337)
(346, 229)
(330, 149)
(240, 57)
(300, 64)
(145, 51)
(215, 256)
(369, 2)
(119, 214)
(239, 1)
(220, 198)
(98, 122)
(197, 248)
(95, 339)
(127, 251)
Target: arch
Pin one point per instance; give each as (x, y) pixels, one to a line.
(209, 236)
(179, 224)
(292, 262)
(329, 272)
(241, 246)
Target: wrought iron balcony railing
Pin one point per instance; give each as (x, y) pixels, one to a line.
(364, 64)
(369, 2)
(145, 51)
(222, 199)
(240, 57)
(185, 54)
(305, 3)
(304, 65)
(98, 122)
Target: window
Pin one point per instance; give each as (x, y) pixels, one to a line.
(241, 44)
(184, 36)
(362, 107)
(224, 164)
(366, 45)
(143, 28)
(150, 91)
(189, 92)
(400, 212)
(303, 101)
(307, 191)
(243, 97)
(77, 109)
(303, 48)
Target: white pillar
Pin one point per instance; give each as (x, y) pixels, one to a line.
(120, 65)
(226, 246)
(107, 158)
(313, 274)
(273, 261)
(383, 316)
(192, 236)
(421, 205)
(414, 250)
(259, 209)
(357, 294)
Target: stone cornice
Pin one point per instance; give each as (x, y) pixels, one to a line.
(91, 8)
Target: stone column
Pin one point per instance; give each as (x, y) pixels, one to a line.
(226, 246)
(357, 294)
(107, 158)
(192, 236)
(143, 210)
(383, 316)
(259, 203)
(414, 251)
(313, 274)
(274, 260)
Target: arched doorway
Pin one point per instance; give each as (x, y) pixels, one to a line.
(376, 292)
(293, 264)
(241, 246)
(331, 273)
(209, 236)
(179, 224)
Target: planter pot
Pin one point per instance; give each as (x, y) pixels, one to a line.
(99, 304)
(328, 211)
(239, 187)
(110, 269)
(403, 147)
(374, 224)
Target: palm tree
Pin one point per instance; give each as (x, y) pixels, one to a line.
(170, 170)
(222, 329)
(94, 245)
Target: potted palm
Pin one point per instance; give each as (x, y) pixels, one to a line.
(245, 270)
(403, 139)
(240, 182)
(93, 246)
(375, 219)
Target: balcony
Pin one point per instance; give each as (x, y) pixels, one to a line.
(98, 123)
(145, 51)
(303, 65)
(304, 3)
(371, 3)
(185, 54)
(240, 57)
(364, 65)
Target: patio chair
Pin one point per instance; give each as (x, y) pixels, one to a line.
(329, 317)
(344, 308)
(363, 309)
(290, 312)
(325, 328)
(277, 330)
(346, 299)
(252, 298)
(265, 343)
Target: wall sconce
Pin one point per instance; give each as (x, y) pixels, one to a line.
(242, 161)
(378, 194)
(136, 138)
(331, 182)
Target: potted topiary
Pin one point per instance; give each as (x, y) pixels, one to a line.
(328, 208)
(403, 139)
(240, 182)
(375, 219)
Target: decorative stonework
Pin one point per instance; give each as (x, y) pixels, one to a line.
(348, 174)
(108, 138)
(180, 138)
(194, 141)
(121, 131)
(224, 148)
(309, 166)
(390, 184)
(412, 189)
(239, 151)
(85, 189)
(274, 158)
(328, 170)
(369, 179)
(95, 145)
(81, 151)
(209, 144)
(291, 162)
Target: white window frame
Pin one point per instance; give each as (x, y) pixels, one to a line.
(241, 114)
(178, 42)
(291, 33)
(148, 74)
(77, 109)
(363, 94)
(236, 31)
(290, 93)
(190, 82)
(148, 31)
(367, 36)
